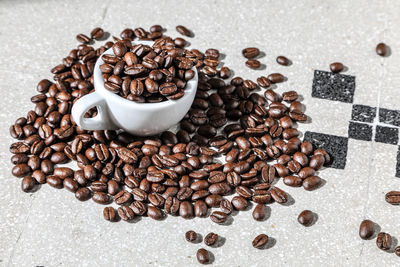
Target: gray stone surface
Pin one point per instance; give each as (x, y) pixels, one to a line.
(50, 227)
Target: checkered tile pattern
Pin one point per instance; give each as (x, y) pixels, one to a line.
(366, 124)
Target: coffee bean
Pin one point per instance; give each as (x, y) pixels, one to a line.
(282, 60)
(218, 217)
(184, 31)
(83, 38)
(384, 241)
(276, 78)
(263, 82)
(292, 181)
(126, 213)
(278, 195)
(382, 49)
(226, 206)
(211, 239)
(186, 210)
(123, 197)
(393, 197)
(97, 33)
(21, 170)
(54, 181)
(139, 208)
(259, 212)
(99, 197)
(28, 184)
(70, 184)
(191, 236)
(224, 72)
(397, 251)
(317, 161)
(312, 182)
(239, 203)
(253, 64)
(109, 214)
(154, 213)
(367, 229)
(260, 241)
(203, 256)
(336, 67)
(306, 217)
(250, 52)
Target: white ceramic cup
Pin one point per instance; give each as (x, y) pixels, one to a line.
(116, 112)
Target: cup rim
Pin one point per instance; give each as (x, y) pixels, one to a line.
(191, 86)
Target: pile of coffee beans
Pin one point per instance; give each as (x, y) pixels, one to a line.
(236, 140)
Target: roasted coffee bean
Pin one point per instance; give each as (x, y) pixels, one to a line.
(211, 239)
(292, 181)
(367, 229)
(183, 30)
(276, 78)
(139, 208)
(397, 251)
(259, 212)
(226, 206)
(282, 60)
(99, 197)
(250, 52)
(203, 256)
(218, 217)
(393, 197)
(154, 213)
(21, 170)
(200, 208)
(219, 188)
(28, 184)
(382, 49)
(224, 72)
(84, 194)
(109, 214)
(97, 33)
(253, 64)
(123, 197)
(213, 201)
(191, 236)
(260, 241)
(306, 148)
(112, 187)
(312, 182)
(306, 217)
(384, 241)
(70, 184)
(239, 203)
(336, 67)
(290, 96)
(126, 213)
(316, 162)
(83, 38)
(322, 152)
(278, 195)
(186, 210)
(263, 82)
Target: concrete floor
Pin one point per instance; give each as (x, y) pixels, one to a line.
(50, 227)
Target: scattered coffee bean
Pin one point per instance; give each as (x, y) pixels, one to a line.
(203, 256)
(260, 241)
(218, 217)
(250, 52)
(393, 197)
(367, 229)
(259, 212)
(183, 30)
(397, 251)
(191, 236)
(336, 67)
(97, 33)
(306, 217)
(282, 60)
(381, 49)
(109, 214)
(210, 239)
(253, 64)
(384, 241)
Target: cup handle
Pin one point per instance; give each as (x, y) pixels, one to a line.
(101, 121)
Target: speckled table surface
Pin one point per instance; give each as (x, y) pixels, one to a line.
(50, 227)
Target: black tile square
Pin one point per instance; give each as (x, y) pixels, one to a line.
(363, 113)
(398, 163)
(387, 135)
(336, 146)
(333, 86)
(360, 131)
(389, 116)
